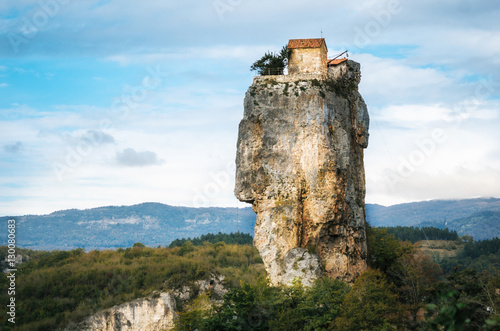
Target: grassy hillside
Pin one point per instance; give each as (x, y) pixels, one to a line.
(440, 249)
(479, 255)
(59, 287)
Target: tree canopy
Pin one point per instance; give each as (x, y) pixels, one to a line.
(272, 63)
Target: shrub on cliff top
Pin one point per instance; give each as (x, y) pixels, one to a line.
(272, 63)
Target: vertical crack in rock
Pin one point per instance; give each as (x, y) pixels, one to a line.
(300, 163)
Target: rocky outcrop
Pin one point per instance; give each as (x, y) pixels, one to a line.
(214, 284)
(300, 264)
(300, 163)
(154, 313)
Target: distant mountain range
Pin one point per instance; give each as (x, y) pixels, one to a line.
(153, 224)
(479, 218)
(156, 224)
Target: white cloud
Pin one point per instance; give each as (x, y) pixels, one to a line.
(477, 48)
(459, 184)
(131, 158)
(392, 82)
(412, 116)
(13, 148)
(246, 54)
(456, 158)
(92, 136)
(417, 71)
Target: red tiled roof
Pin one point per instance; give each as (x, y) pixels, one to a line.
(305, 43)
(335, 61)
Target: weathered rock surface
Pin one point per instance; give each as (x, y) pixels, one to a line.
(154, 313)
(213, 283)
(301, 264)
(300, 163)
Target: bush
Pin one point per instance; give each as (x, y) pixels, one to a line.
(272, 63)
(370, 305)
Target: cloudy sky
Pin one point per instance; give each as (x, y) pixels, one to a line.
(120, 102)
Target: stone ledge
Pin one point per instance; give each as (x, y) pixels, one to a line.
(289, 78)
(348, 69)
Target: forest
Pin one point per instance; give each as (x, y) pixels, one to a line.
(238, 238)
(403, 289)
(414, 234)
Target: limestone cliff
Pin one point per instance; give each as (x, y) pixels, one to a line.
(154, 313)
(300, 163)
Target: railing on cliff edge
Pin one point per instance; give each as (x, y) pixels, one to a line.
(272, 71)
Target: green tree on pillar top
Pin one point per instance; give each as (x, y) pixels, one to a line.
(272, 63)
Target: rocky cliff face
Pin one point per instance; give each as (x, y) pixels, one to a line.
(300, 163)
(155, 313)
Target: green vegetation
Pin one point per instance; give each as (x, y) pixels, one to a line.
(371, 304)
(479, 255)
(440, 250)
(401, 285)
(458, 299)
(271, 81)
(447, 249)
(59, 287)
(414, 234)
(285, 90)
(482, 225)
(342, 87)
(316, 83)
(272, 63)
(403, 289)
(237, 238)
(474, 250)
(264, 307)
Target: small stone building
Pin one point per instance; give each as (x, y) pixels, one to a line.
(308, 56)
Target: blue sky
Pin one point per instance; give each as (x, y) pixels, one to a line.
(121, 102)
